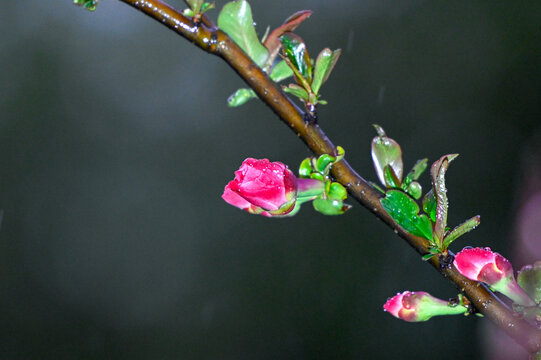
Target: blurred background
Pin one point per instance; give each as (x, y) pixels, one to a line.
(116, 142)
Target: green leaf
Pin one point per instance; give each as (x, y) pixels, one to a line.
(325, 62)
(195, 5)
(391, 180)
(280, 71)
(427, 257)
(240, 97)
(377, 187)
(405, 212)
(323, 161)
(295, 50)
(297, 91)
(305, 169)
(438, 182)
(414, 190)
(461, 229)
(432, 251)
(337, 192)
(340, 153)
(88, 4)
(207, 6)
(235, 19)
(429, 205)
(301, 81)
(386, 151)
(529, 279)
(330, 207)
(416, 171)
(273, 44)
(317, 176)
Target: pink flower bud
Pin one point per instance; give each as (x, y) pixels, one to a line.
(262, 187)
(420, 306)
(485, 265)
(235, 199)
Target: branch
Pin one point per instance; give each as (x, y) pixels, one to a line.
(206, 36)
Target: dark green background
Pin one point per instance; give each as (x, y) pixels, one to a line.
(116, 143)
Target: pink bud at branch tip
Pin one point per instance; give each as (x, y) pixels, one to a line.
(485, 265)
(417, 306)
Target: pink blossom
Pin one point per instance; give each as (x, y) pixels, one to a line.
(262, 187)
(235, 199)
(482, 264)
(493, 269)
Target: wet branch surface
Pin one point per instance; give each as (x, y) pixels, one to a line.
(206, 36)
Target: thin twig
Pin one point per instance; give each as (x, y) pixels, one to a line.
(216, 42)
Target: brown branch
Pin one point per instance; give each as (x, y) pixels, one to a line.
(216, 42)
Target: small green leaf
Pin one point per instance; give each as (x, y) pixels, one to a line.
(330, 207)
(240, 97)
(416, 171)
(337, 192)
(414, 190)
(391, 180)
(377, 187)
(529, 279)
(301, 81)
(195, 5)
(386, 151)
(305, 169)
(235, 19)
(405, 212)
(295, 50)
(438, 182)
(461, 229)
(317, 176)
(432, 251)
(323, 161)
(88, 4)
(325, 62)
(281, 71)
(429, 205)
(296, 90)
(427, 257)
(206, 7)
(340, 153)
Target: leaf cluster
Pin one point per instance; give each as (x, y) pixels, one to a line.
(309, 75)
(197, 8)
(332, 200)
(400, 196)
(236, 20)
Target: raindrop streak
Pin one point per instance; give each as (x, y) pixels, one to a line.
(381, 94)
(349, 45)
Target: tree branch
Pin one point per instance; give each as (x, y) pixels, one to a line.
(207, 37)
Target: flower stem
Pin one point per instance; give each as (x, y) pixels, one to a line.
(309, 188)
(514, 292)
